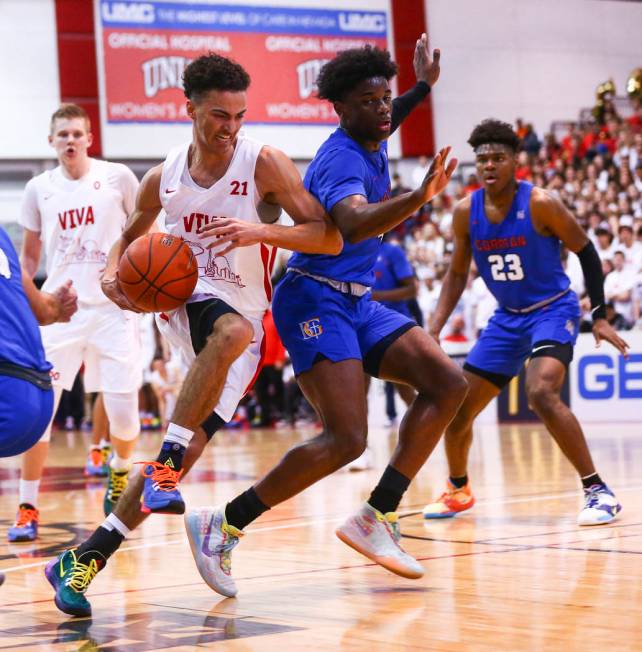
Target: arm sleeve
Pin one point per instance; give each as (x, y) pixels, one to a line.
(29, 211)
(401, 268)
(339, 177)
(404, 104)
(592, 270)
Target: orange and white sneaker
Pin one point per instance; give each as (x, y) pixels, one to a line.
(451, 502)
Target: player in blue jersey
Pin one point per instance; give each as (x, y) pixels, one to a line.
(513, 231)
(333, 330)
(26, 396)
(394, 286)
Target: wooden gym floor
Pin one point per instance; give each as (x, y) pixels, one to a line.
(515, 573)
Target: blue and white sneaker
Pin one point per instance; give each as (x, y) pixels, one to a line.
(212, 540)
(160, 492)
(600, 506)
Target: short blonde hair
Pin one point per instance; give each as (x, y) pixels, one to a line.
(68, 110)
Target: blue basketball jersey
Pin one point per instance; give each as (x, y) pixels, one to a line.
(342, 168)
(392, 267)
(20, 342)
(519, 266)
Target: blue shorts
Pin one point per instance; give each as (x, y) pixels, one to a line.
(317, 322)
(25, 412)
(509, 339)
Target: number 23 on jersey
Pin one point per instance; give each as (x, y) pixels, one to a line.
(506, 268)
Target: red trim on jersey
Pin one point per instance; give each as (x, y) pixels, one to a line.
(261, 361)
(267, 270)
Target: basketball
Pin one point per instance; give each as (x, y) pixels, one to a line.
(157, 272)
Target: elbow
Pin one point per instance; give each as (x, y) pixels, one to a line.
(335, 243)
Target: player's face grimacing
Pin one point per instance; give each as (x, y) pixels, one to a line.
(70, 138)
(366, 111)
(217, 117)
(495, 166)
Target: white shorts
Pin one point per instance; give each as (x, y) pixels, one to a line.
(240, 376)
(107, 339)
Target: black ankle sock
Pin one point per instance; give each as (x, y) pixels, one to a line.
(244, 509)
(591, 480)
(387, 495)
(459, 482)
(102, 542)
(171, 454)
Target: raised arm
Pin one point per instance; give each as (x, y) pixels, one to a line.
(427, 73)
(140, 222)
(454, 282)
(551, 217)
(279, 184)
(358, 220)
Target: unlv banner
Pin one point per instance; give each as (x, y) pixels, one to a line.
(146, 46)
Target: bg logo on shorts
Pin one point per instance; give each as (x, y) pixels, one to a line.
(311, 328)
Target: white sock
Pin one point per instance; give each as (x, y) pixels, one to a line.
(120, 463)
(112, 522)
(178, 435)
(28, 491)
(104, 443)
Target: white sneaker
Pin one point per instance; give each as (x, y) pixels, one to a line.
(212, 540)
(600, 506)
(363, 462)
(377, 536)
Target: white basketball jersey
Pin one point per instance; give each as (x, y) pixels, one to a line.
(242, 277)
(79, 221)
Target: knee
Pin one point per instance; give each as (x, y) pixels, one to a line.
(347, 445)
(452, 389)
(233, 336)
(122, 412)
(541, 397)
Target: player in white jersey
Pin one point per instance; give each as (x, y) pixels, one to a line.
(76, 212)
(236, 187)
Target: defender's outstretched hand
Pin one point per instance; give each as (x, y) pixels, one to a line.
(426, 66)
(438, 175)
(602, 330)
(234, 233)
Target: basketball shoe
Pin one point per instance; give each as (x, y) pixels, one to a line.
(95, 465)
(26, 526)
(451, 502)
(377, 536)
(363, 462)
(160, 492)
(70, 577)
(116, 484)
(600, 506)
(212, 540)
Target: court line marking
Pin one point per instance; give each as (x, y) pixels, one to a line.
(334, 519)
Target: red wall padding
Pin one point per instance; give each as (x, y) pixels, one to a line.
(409, 21)
(77, 60)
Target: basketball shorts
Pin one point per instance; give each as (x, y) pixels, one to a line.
(509, 338)
(175, 327)
(25, 412)
(317, 322)
(107, 339)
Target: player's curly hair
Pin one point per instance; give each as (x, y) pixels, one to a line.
(212, 72)
(350, 67)
(494, 131)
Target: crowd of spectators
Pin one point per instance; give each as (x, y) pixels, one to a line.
(595, 168)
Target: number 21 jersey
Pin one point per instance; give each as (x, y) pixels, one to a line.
(519, 266)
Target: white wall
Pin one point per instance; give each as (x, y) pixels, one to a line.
(536, 59)
(29, 90)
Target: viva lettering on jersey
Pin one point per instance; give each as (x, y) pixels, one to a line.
(75, 217)
(195, 221)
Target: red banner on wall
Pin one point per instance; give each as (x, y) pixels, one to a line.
(144, 57)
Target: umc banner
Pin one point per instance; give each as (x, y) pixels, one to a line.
(146, 46)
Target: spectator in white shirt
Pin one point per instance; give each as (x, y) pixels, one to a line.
(618, 286)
